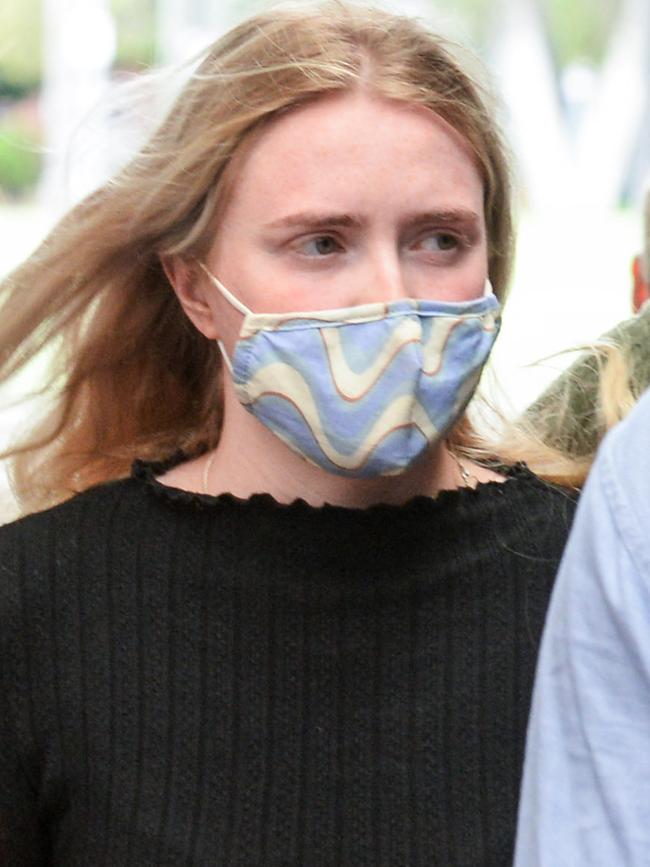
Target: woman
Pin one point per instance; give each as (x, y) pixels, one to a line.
(586, 782)
(586, 785)
(575, 412)
(308, 636)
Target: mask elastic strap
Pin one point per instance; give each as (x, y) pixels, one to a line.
(234, 302)
(224, 355)
(230, 298)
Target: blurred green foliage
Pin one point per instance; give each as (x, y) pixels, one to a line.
(475, 16)
(579, 29)
(21, 39)
(136, 32)
(20, 152)
(21, 35)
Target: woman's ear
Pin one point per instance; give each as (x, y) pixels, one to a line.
(190, 285)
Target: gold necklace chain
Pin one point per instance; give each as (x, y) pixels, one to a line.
(206, 471)
(467, 478)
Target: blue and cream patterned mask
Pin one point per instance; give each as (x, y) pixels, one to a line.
(362, 391)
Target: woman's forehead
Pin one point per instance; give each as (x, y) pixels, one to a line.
(344, 144)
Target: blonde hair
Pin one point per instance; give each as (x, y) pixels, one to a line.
(560, 433)
(131, 376)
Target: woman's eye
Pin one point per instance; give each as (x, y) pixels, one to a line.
(323, 245)
(439, 241)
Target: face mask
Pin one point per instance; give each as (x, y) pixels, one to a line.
(362, 391)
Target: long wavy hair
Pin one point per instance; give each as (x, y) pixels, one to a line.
(128, 374)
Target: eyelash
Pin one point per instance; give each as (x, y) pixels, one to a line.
(462, 242)
(324, 236)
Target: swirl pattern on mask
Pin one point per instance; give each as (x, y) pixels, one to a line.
(365, 395)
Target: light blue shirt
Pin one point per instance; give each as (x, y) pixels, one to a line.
(586, 791)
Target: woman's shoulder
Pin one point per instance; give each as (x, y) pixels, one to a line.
(43, 555)
(554, 500)
(518, 483)
(35, 542)
(93, 502)
(529, 510)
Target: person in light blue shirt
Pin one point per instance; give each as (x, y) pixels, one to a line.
(585, 796)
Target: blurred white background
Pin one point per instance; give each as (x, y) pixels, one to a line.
(573, 79)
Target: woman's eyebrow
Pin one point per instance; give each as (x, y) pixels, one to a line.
(307, 219)
(313, 219)
(446, 217)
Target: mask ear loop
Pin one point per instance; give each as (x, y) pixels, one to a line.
(227, 294)
(234, 302)
(224, 355)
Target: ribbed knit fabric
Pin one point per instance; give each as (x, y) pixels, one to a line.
(191, 680)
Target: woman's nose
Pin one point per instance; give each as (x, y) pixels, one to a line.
(387, 277)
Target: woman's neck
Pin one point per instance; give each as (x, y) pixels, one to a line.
(250, 459)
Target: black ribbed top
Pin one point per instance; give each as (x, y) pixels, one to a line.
(196, 680)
